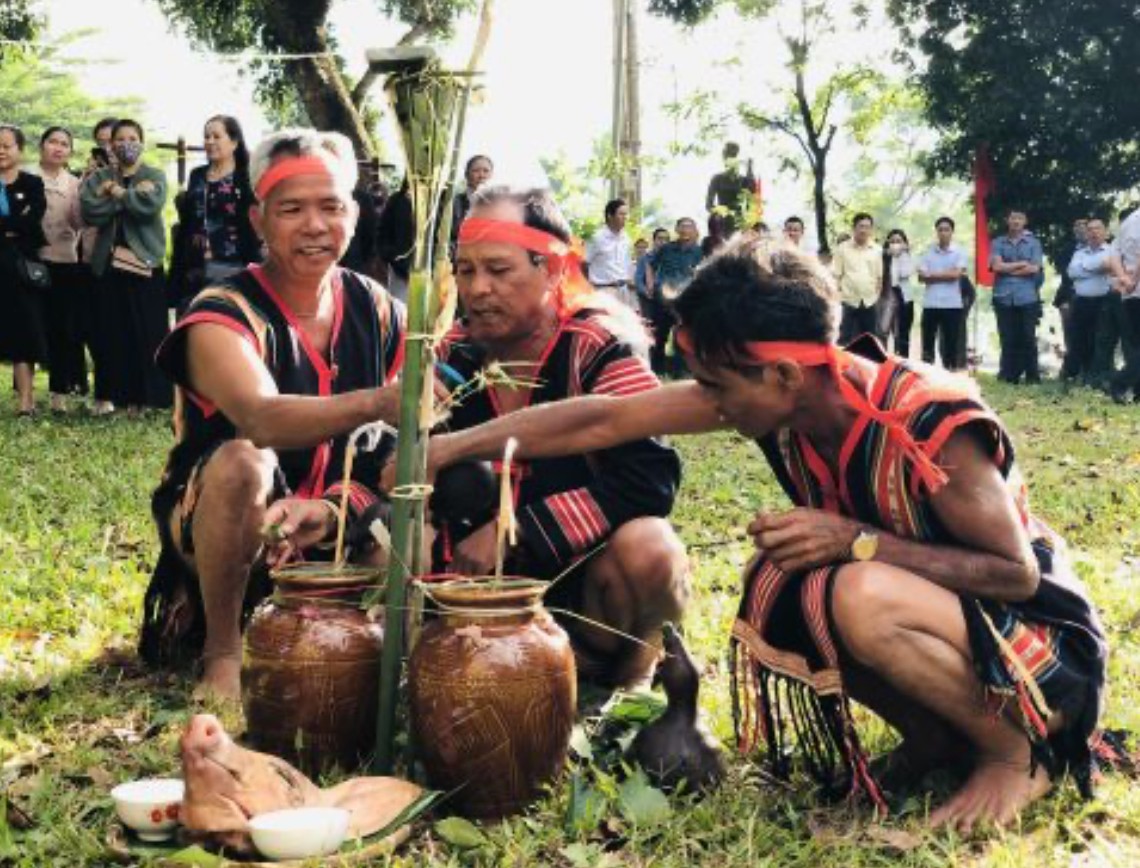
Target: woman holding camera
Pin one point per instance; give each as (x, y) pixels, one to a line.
(22, 283)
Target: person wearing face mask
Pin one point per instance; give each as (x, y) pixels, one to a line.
(67, 300)
(898, 269)
(22, 206)
(125, 201)
(214, 239)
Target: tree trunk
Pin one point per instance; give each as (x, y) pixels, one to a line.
(819, 176)
(298, 27)
(617, 123)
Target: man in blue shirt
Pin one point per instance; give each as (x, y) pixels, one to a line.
(943, 314)
(673, 266)
(1015, 260)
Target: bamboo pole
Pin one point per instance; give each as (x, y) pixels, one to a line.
(432, 103)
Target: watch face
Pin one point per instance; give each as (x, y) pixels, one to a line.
(865, 546)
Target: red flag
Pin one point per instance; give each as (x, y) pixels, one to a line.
(984, 185)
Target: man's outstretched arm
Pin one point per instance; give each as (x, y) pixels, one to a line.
(585, 424)
(226, 370)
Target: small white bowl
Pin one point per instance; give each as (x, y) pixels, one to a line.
(299, 833)
(150, 807)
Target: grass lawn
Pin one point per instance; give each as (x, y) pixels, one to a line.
(77, 715)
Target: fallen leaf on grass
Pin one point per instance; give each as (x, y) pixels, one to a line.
(823, 832)
(896, 839)
(16, 817)
(460, 833)
(25, 759)
(100, 777)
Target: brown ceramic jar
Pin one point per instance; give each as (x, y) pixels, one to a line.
(312, 669)
(493, 695)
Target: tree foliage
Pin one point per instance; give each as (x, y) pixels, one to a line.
(1051, 88)
(39, 89)
(18, 21)
(317, 89)
(821, 94)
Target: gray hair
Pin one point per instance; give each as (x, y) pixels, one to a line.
(335, 148)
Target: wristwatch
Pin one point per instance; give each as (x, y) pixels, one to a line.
(865, 545)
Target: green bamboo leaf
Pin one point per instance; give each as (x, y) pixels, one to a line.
(460, 833)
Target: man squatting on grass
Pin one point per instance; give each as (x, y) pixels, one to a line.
(910, 575)
(596, 521)
(275, 366)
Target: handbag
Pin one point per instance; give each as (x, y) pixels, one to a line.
(32, 274)
(126, 260)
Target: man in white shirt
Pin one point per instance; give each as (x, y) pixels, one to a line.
(608, 260)
(943, 314)
(1092, 269)
(1128, 250)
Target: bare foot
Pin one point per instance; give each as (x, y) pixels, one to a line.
(996, 792)
(221, 679)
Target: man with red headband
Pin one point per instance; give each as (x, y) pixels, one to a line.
(275, 366)
(535, 332)
(910, 574)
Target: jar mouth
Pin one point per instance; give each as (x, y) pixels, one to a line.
(321, 574)
(486, 592)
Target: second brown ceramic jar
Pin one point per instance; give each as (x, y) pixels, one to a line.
(493, 695)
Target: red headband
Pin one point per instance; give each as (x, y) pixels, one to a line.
(290, 167)
(562, 259)
(895, 421)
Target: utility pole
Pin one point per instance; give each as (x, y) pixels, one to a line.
(631, 153)
(618, 122)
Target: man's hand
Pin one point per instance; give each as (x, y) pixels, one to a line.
(145, 186)
(802, 539)
(294, 524)
(475, 556)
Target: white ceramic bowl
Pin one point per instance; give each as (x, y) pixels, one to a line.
(299, 833)
(150, 807)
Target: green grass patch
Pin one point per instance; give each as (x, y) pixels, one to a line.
(76, 547)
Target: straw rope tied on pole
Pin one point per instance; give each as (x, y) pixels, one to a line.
(429, 104)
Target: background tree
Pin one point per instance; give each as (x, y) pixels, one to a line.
(18, 21)
(39, 89)
(825, 100)
(319, 86)
(1051, 88)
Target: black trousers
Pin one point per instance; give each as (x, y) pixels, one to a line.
(1017, 332)
(1129, 376)
(856, 321)
(943, 326)
(1084, 324)
(68, 306)
(903, 323)
(1109, 335)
